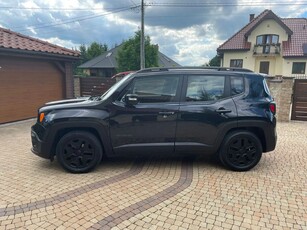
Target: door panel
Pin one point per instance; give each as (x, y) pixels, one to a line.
(203, 113)
(150, 125)
(143, 128)
(199, 124)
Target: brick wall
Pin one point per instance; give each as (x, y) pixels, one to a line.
(282, 89)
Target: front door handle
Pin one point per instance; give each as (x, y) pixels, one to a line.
(223, 110)
(166, 113)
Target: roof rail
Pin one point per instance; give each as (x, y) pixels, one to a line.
(154, 69)
(161, 69)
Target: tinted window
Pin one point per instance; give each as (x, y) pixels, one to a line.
(298, 67)
(256, 88)
(205, 88)
(154, 89)
(237, 85)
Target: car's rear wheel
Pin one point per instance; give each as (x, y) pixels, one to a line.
(240, 151)
(79, 151)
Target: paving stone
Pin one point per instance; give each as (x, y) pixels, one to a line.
(157, 192)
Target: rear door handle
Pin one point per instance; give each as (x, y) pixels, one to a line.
(223, 110)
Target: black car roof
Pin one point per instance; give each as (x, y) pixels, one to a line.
(195, 70)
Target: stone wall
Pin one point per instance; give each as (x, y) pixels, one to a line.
(77, 87)
(282, 90)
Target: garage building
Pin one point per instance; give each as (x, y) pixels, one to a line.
(32, 72)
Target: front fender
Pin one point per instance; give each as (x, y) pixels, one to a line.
(58, 123)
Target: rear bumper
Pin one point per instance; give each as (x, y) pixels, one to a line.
(271, 140)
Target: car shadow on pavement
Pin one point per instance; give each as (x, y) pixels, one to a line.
(119, 162)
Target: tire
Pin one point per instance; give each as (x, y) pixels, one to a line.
(79, 152)
(240, 151)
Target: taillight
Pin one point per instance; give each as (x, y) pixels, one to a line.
(273, 108)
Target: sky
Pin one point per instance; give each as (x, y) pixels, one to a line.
(188, 31)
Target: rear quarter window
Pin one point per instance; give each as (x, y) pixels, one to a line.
(256, 88)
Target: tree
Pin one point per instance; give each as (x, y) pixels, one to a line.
(96, 49)
(87, 53)
(128, 56)
(215, 61)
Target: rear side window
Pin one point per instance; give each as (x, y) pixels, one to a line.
(205, 88)
(237, 85)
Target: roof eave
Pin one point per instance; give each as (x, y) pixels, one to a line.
(38, 54)
(233, 50)
(295, 56)
(270, 15)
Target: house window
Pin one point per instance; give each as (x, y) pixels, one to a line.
(93, 72)
(298, 67)
(236, 63)
(267, 39)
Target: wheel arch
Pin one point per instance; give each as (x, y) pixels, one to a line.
(257, 131)
(99, 131)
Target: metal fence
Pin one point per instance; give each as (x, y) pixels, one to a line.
(95, 86)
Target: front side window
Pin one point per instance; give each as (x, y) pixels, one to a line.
(205, 88)
(298, 67)
(155, 89)
(236, 63)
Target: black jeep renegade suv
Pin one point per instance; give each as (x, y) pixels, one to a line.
(228, 112)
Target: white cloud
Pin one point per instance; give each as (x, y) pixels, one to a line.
(64, 43)
(192, 46)
(190, 35)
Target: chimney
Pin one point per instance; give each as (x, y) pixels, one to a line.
(251, 17)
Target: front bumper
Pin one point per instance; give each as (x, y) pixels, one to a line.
(39, 147)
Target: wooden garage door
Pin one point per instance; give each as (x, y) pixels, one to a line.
(299, 107)
(25, 85)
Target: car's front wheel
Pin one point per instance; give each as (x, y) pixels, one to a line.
(79, 151)
(240, 151)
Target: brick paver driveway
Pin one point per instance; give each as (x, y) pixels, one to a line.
(156, 192)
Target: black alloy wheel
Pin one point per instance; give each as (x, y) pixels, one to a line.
(79, 152)
(240, 151)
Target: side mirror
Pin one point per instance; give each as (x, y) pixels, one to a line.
(131, 99)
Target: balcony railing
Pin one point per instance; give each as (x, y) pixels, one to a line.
(266, 50)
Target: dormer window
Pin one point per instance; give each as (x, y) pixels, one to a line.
(267, 39)
(268, 42)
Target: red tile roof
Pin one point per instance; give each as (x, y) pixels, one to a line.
(294, 46)
(296, 28)
(15, 41)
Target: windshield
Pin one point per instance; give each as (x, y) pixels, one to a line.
(110, 91)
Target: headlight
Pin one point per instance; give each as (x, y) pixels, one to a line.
(45, 117)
